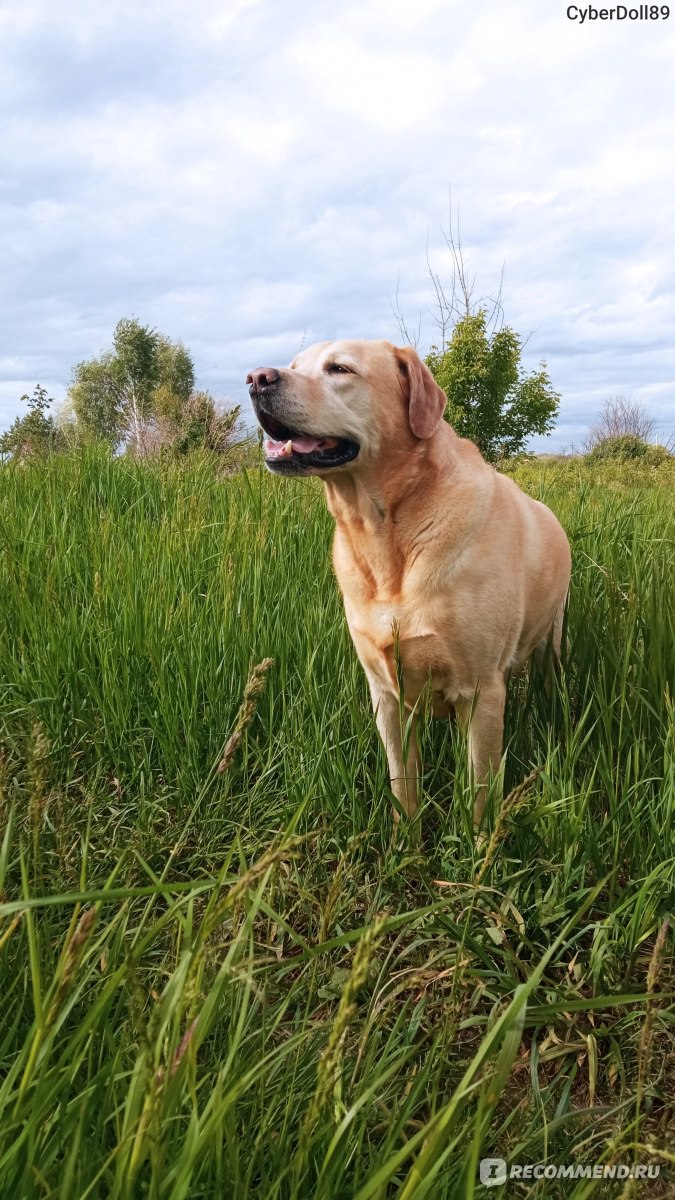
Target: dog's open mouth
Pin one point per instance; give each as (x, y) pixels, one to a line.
(287, 451)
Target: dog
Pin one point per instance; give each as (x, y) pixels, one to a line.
(451, 576)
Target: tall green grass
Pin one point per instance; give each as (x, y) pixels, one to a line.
(218, 978)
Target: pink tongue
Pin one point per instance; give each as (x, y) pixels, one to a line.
(304, 445)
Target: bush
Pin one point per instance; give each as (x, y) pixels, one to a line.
(627, 447)
(183, 425)
(620, 415)
(656, 455)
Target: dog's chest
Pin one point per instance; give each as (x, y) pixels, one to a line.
(401, 632)
(397, 645)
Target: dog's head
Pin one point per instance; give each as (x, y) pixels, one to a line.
(343, 404)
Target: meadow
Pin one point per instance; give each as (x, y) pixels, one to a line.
(218, 976)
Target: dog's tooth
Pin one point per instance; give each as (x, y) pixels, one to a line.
(288, 448)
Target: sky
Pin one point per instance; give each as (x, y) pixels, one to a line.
(251, 177)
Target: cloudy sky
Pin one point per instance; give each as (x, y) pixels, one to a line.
(251, 177)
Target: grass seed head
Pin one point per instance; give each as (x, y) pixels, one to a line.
(254, 686)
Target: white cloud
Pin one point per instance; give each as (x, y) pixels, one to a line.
(391, 89)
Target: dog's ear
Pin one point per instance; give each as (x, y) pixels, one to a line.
(426, 400)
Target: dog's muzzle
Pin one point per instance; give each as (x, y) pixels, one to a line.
(288, 450)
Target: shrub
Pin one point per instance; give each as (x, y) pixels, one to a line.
(620, 415)
(625, 447)
(656, 455)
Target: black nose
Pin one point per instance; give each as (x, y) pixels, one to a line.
(262, 379)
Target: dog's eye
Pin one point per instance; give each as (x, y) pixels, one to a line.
(338, 369)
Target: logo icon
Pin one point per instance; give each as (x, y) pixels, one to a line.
(492, 1171)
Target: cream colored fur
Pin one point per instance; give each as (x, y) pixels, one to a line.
(433, 548)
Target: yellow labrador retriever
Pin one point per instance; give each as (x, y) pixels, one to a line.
(433, 550)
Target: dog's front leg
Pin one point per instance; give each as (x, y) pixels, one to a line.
(403, 760)
(483, 718)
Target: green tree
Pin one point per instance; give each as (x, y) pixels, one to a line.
(176, 369)
(36, 433)
(116, 397)
(490, 398)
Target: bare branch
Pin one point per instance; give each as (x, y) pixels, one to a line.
(410, 339)
(455, 299)
(495, 318)
(446, 308)
(619, 416)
